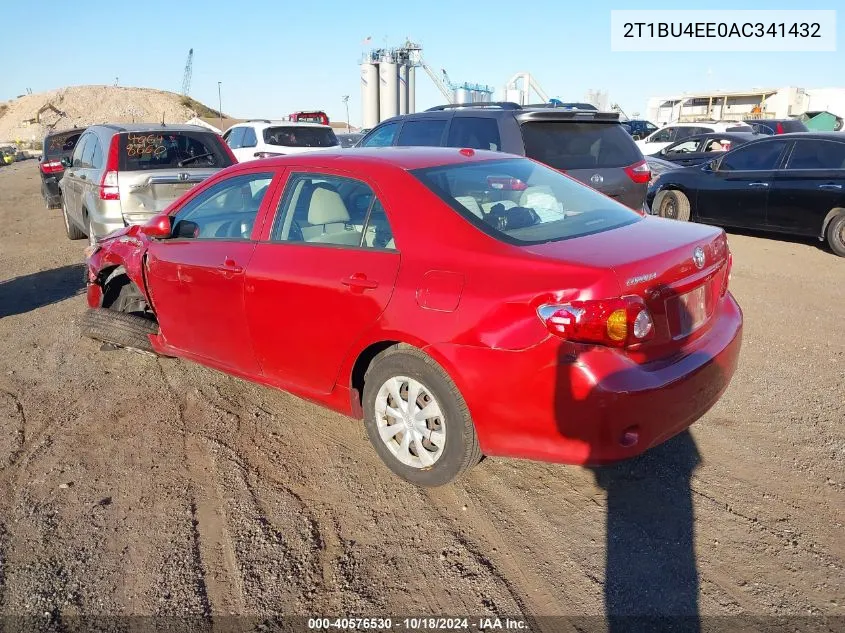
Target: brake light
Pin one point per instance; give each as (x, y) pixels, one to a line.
(505, 183)
(639, 172)
(108, 185)
(726, 279)
(618, 322)
(52, 167)
(267, 154)
(779, 128)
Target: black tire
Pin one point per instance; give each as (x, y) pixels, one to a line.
(118, 328)
(836, 234)
(461, 450)
(73, 231)
(672, 204)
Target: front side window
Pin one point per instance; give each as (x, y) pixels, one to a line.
(755, 157)
(326, 209)
(80, 150)
(225, 211)
(683, 148)
(422, 133)
(522, 202)
(235, 137)
(817, 155)
(666, 135)
(383, 136)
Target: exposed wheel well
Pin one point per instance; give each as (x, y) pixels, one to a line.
(121, 294)
(359, 372)
(829, 218)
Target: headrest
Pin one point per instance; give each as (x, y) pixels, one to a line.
(326, 207)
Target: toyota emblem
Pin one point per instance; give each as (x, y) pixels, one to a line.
(596, 179)
(698, 257)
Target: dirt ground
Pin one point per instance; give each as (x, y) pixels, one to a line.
(136, 485)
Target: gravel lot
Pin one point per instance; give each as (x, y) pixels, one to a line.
(136, 485)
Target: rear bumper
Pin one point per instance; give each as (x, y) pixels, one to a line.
(597, 406)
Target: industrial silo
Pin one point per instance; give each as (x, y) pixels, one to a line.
(388, 87)
(369, 94)
(463, 95)
(403, 88)
(412, 90)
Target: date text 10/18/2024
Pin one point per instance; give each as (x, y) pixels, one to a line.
(419, 624)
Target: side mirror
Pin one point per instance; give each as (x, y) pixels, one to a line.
(186, 229)
(158, 227)
(712, 165)
(66, 161)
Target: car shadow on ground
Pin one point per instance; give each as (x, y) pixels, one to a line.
(651, 575)
(779, 237)
(30, 292)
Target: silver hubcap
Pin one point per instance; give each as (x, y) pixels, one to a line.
(410, 422)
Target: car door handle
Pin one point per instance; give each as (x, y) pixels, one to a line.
(830, 185)
(359, 281)
(231, 266)
(758, 184)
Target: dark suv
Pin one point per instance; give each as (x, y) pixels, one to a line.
(587, 145)
(56, 147)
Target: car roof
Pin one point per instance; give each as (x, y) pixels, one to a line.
(151, 127)
(813, 136)
(402, 157)
(263, 123)
(746, 136)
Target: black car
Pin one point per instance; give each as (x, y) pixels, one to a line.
(698, 149)
(589, 145)
(640, 128)
(789, 183)
(56, 147)
(776, 126)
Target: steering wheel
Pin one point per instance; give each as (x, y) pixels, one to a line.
(241, 229)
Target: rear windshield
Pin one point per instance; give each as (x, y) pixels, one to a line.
(61, 144)
(300, 136)
(521, 202)
(141, 151)
(571, 145)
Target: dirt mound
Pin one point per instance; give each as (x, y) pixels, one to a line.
(87, 105)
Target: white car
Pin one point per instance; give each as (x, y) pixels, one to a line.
(262, 139)
(673, 132)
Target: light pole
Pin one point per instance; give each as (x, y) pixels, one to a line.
(345, 99)
(219, 102)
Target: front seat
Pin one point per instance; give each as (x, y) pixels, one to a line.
(326, 208)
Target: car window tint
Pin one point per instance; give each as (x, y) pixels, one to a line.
(97, 156)
(684, 148)
(249, 139)
(163, 149)
(582, 145)
(60, 144)
(235, 137)
(425, 132)
(474, 132)
(383, 136)
(326, 209)
(300, 136)
(817, 155)
(80, 149)
(88, 152)
(666, 135)
(225, 211)
(717, 145)
(523, 202)
(755, 157)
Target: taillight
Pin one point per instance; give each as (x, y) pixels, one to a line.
(779, 128)
(618, 322)
(52, 167)
(506, 183)
(639, 172)
(108, 185)
(267, 154)
(726, 279)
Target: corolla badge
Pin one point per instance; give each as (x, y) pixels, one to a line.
(698, 257)
(633, 281)
(596, 179)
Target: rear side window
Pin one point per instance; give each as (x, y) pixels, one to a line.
(817, 155)
(522, 202)
(426, 132)
(61, 144)
(383, 136)
(300, 136)
(569, 145)
(163, 149)
(235, 137)
(249, 140)
(474, 132)
(757, 157)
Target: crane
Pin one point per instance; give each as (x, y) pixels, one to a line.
(189, 69)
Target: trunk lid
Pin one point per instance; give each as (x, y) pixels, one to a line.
(655, 259)
(143, 194)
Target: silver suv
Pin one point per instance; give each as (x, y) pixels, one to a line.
(124, 174)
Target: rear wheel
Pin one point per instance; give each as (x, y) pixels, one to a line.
(119, 328)
(673, 205)
(73, 231)
(836, 235)
(417, 420)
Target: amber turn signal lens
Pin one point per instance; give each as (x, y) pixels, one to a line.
(617, 325)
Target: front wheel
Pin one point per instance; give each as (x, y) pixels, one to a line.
(417, 420)
(672, 204)
(836, 235)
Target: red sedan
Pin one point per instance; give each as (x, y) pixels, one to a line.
(463, 303)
